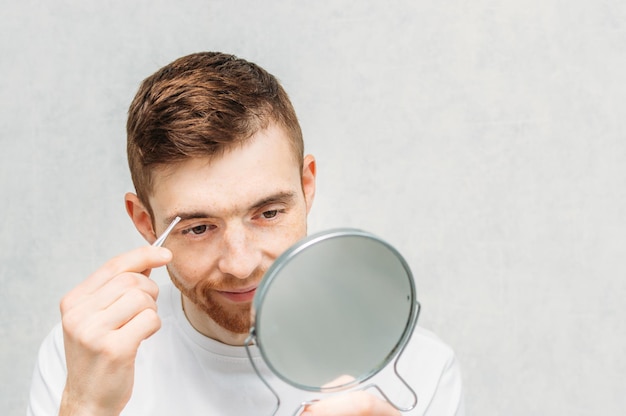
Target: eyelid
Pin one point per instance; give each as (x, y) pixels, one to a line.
(271, 207)
(279, 208)
(190, 224)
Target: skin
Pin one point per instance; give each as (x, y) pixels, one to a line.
(240, 212)
(104, 319)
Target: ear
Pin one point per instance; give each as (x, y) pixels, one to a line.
(140, 217)
(309, 170)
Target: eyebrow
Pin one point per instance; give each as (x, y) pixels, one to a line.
(280, 197)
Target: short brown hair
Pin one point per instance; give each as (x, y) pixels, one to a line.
(199, 106)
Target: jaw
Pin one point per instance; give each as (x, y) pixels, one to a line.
(209, 327)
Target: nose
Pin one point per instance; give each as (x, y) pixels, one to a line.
(240, 256)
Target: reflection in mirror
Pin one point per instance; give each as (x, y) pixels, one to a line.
(334, 310)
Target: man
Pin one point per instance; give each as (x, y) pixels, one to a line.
(215, 140)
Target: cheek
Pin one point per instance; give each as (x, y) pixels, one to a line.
(288, 237)
(191, 268)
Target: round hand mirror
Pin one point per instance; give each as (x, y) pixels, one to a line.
(334, 310)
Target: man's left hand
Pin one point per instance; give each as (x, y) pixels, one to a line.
(356, 403)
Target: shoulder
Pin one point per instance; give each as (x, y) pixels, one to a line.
(431, 366)
(428, 343)
(52, 350)
(49, 375)
(429, 356)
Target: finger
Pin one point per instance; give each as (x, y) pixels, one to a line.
(118, 286)
(90, 310)
(351, 404)
(121, 344)
(138, 260)
(342, 380)
(124, 309)
(140, 327)
(88, 321)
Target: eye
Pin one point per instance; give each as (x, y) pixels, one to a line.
(270, 214)
(197, 230)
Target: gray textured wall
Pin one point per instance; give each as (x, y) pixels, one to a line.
(485, 139)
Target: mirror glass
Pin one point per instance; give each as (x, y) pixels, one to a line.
(333, 310)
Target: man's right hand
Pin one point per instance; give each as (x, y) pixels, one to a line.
(105, 318)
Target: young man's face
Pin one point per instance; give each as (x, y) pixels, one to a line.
(239, 212)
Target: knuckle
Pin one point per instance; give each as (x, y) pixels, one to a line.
(78, 334)
(127, 280)
(68, 321)
(134, 281)
(152, 319)
(66, 304)
(140, 298)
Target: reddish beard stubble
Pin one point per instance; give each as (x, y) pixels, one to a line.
(237, 318)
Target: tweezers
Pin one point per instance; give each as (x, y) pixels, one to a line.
(159, 241)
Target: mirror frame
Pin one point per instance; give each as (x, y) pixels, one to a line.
(256, 331)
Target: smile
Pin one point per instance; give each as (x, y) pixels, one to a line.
(243, 295)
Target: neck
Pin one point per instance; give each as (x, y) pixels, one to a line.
(208, 327)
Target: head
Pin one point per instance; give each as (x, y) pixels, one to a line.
(215, 140)
(201, 105)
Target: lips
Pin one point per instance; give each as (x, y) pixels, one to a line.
(241, 295)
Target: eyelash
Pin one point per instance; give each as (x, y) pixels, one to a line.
(190, 230)
(274, 214)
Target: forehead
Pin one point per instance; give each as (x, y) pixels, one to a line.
(262, 166)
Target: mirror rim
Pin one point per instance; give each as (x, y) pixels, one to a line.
(274, 270)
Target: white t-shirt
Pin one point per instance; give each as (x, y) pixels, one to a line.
(179, 371)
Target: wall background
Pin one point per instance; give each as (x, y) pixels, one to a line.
(485, 139)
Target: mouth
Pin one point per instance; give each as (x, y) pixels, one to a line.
(239, 295)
